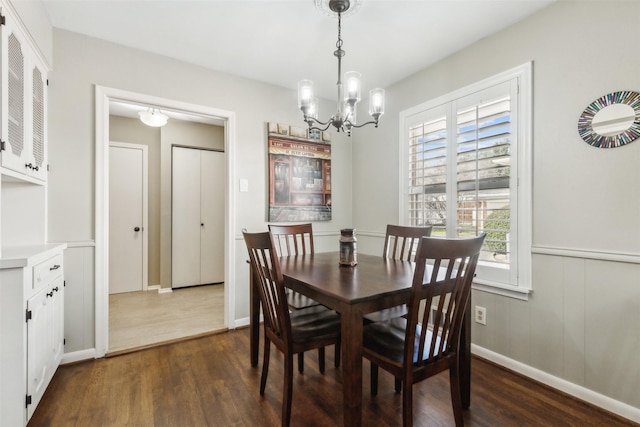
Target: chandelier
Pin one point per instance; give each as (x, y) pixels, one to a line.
(348, 96)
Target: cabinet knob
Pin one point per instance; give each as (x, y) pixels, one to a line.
(55, 267)
(136, 229)
(50, 294)
(55, 289)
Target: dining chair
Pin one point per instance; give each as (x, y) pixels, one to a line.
(400, 243)
(427, 341)
(291, 332)
(295, 240)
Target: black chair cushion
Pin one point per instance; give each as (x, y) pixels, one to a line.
(314, 323)
(386, 314)
(387, 339)
(298, 301)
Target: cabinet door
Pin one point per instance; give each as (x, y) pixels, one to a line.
(39, 346)
(57, 323)
(14, 156)
(38, 104)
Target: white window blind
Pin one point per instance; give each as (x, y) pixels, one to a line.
(461, 174)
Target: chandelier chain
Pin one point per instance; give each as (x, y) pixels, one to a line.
(339, 42)
(339, 53)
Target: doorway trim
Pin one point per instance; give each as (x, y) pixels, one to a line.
(145, 206)
(104, 95)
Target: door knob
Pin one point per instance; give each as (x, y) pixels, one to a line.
(136, 229)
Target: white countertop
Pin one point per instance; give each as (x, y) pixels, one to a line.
(24, 256)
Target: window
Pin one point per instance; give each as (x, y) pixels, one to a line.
(466, 169)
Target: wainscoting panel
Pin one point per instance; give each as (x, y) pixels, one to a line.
(79, 322)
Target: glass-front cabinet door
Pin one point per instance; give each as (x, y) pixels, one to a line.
(23, 106)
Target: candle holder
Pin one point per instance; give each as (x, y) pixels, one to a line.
(348, 247)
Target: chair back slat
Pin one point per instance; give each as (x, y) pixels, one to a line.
(442, 280)
(265, 264)
(291, 240)
(401, 242)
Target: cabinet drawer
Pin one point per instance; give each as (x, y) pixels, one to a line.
(47, 271)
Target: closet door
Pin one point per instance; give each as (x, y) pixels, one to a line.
(185, 218)
(212, 173)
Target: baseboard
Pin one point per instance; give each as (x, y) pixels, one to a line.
(165, 290)
(614, 406)
(77, 356)
(153, 288)
(239, 323)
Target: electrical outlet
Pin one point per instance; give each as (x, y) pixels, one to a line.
(481, 315)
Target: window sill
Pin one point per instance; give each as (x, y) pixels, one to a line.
(501, 289)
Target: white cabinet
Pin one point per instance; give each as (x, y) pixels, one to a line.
(31, 276)
(23, 105)
(197, 217)
(31, 327)
(45, 339)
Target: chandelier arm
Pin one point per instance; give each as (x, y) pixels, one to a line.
(326, 126)
(310, 120)
(372, 122)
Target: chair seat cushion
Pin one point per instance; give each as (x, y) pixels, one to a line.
(386, 314)
(387, 339)
(298, 301)
(314, 323)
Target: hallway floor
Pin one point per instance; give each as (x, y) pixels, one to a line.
(140, 319)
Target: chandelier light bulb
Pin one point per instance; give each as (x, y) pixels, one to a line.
(352, 82)
(376, 102)
(305, 93)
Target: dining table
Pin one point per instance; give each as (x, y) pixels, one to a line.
(373, 284)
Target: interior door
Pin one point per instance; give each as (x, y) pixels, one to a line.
(185, 218)
(212, 177)
(127, 208)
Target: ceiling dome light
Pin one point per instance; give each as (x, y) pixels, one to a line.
(153, 118)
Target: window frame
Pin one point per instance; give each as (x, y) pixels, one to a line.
(522, 125)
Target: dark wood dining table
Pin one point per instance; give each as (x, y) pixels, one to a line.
(375, 283)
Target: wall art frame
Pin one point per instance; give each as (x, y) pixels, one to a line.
(299, 175)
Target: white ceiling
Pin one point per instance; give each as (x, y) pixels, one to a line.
(283, 41)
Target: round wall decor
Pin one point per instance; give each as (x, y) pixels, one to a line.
(612, 120)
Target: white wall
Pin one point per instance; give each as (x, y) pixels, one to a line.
(82, 62)
(581, 322)
(34, 16)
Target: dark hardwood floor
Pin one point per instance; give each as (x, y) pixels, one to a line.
(209, 382)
